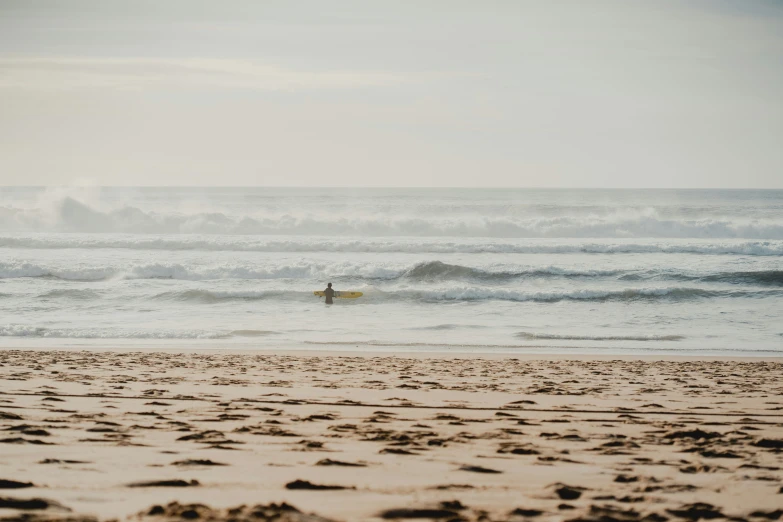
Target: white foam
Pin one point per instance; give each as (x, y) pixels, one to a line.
(402, 245)
(71, 215)
(298, 270)
(24, 330)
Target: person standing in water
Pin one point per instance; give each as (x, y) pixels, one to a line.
(329, 293)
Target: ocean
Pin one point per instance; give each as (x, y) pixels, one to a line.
(692, 272)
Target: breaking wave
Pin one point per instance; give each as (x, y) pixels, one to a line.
(12, 270)
(71, 216)
(428, 271)
(437, 270)
(407, 245)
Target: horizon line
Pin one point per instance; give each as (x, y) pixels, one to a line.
(366, 187)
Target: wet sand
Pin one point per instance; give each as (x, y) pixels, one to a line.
(159, 435)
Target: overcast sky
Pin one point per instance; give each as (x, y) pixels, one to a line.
(550, 93)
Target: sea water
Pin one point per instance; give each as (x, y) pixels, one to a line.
(495, 270)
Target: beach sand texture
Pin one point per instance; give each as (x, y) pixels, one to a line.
(109, 434)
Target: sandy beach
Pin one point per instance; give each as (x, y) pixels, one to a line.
(156, 435)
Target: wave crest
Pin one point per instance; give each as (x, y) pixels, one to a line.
(438, 270)
(427, 271)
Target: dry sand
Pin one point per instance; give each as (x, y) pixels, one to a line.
(111, 434)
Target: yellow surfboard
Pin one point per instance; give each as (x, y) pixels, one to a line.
(344, 295)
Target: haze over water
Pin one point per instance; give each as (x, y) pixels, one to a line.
(523, 270)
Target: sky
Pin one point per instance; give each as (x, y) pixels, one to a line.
(560, 93)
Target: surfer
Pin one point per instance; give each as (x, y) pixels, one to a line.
(329, 293)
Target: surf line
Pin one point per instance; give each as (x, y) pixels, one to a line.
(297, 402)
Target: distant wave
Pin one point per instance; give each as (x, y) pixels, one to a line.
(374, 245)
(428, 271)
(71, 215)
(534, 336)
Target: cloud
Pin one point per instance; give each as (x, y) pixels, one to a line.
(68, 73)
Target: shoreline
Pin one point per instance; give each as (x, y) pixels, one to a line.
(372, 353)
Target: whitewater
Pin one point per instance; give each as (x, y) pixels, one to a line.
(496, 270)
